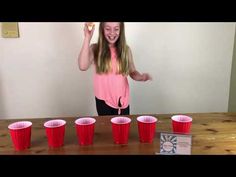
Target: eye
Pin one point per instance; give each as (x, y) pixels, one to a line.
(117, 29)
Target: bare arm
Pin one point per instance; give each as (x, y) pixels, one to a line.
(134, 74)
(86, 56)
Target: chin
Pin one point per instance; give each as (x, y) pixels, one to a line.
(112, 42)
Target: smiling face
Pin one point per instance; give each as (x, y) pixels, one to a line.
(112, 32)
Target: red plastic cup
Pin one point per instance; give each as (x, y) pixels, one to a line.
(55, 131)
(120, 129)
(85, 130)
(146, 128)
(21, 134)
(181, 123)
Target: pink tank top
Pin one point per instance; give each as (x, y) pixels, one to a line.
(111, 87)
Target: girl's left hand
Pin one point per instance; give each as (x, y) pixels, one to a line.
(146, 77)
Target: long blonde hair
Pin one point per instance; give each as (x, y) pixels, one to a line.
(102, 54)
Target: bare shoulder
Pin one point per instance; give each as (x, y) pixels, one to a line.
(129, 53)
(130, 58)
(128, 48)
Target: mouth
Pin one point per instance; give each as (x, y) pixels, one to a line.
(112, 38)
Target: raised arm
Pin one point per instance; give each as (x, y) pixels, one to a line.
(134, 74)
(86, 56)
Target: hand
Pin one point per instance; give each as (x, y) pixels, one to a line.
(88, 30)
(146, 77)
(90, 26)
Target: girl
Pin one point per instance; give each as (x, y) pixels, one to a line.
(112, 60)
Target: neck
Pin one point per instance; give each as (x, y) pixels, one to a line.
(111, 45)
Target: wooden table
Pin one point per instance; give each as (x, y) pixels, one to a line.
(212, 133)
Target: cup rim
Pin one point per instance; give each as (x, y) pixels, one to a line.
(176, 118)
(140, 117)
(77, 121)
(114, 118)
(11, 126)
(63, 122)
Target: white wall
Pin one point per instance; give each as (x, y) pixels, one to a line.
(190, 64)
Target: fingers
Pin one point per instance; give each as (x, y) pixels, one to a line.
(89, 26)
(146, 77)
(88, 30)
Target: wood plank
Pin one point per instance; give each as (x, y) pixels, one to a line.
(212, 133)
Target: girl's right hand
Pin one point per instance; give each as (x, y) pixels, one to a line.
(87, 32)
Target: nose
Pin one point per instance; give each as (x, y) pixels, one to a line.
(113, 31)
